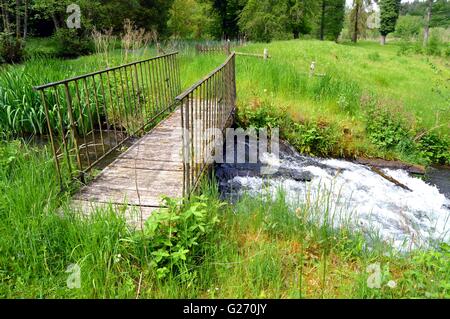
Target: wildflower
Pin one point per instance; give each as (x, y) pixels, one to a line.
(392, 284)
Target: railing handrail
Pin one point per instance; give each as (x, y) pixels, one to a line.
(182, 96)
(80, 77)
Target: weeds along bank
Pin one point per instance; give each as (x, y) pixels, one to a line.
(256, 248)
(364, 99)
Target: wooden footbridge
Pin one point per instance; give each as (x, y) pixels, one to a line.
(164, 138)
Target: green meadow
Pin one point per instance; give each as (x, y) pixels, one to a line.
(362, 100)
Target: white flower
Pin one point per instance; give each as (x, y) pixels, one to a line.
(392, 284)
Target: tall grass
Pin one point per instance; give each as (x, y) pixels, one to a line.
(260, 247)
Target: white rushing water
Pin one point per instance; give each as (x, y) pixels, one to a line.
(355, 195)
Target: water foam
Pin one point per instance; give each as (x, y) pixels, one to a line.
(406, 219)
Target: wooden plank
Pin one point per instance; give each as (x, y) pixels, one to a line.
(134, 215)
(147, 164)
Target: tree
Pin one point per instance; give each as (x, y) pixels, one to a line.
(300, 14)
(332, 14)
(228, 12)
(264, 20)
(190, 19)
(426, 32)
(358, 19)
(389, 13)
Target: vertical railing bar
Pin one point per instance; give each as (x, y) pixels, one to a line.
(88, 105)
(113, 108)
(162, 85)
(52, 141)
(157, 84)
(102, 140)
(105, 106)
(168, 76)
(183, 145)
(73, 127)
(125, 110)
(63, 135)
(130, 97)
(147, 89)
(198, 130)
(144, 95)
(137, 95)
(191, 106)
(85, 131)
(152, 89)
(189, 152)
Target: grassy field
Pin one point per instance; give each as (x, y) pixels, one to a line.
(366, 100)
(206, 249)
(211, 249)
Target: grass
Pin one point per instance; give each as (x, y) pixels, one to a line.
(356, 78)
(204, 249)
(207, 248)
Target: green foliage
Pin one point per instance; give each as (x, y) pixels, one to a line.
(310, 138)
(389, 13)
(374, 56)
(11, 48)
(387, 129)
(9, 152)
(434, 45)
(333, 19)
(175, 236)
(70, 43)
(314, 139)
(440, 14)
(263, 20)
(429, 275)
(435, 148)
(191, 19)
(409, 27)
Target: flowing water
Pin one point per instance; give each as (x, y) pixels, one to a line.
(350, 193)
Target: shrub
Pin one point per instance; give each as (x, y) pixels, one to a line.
(434, 45)
(408, 27)
(176, 235)
(313, 138)
(11, 48)
(435, 148)
(387, 131)
(72, 44)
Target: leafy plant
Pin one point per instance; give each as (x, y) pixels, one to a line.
(435, 148)
(72, 44)
(387, 130)
(175, 235)
(11, 48)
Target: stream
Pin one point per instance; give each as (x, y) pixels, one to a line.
(352, 195)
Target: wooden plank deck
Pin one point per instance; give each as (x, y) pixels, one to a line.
(136, 181)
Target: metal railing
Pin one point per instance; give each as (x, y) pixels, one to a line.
(205, 108)
(90, 116)
(218, 48)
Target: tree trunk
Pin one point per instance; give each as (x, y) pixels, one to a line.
(18, 19)
(322, 21)
(426, 33)
(5, 16)
(383, 40)
(355, 30)
(55, 22)
(25, 21)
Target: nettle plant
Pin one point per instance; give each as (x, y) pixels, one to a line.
(176, 236)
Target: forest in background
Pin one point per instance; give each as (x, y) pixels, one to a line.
(258, 20)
